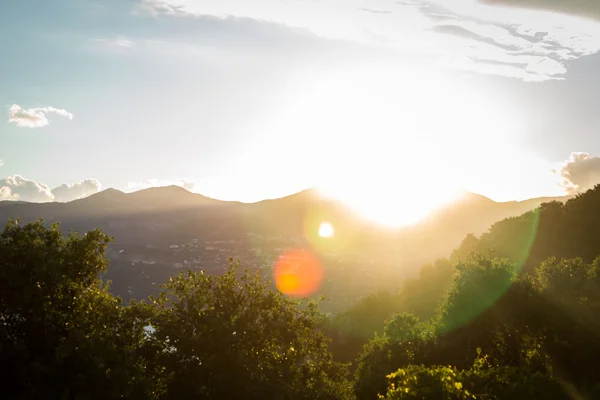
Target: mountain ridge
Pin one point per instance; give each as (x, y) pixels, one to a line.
(308, 193)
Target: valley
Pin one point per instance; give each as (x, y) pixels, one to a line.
(158, 232)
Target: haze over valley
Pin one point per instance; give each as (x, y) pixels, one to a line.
(160, 231)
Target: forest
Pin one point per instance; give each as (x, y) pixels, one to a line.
(512, 314)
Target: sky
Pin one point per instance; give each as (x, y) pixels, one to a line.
(373, 100)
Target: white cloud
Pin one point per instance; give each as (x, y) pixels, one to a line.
(77, 190)
(119, 42)
(579, 173)
(20, 188)
(161, 7)
(584, 8)
(528, 44)
(140, 185)
(25, 189)
(34, 117)
(6, 194)
(1, 162)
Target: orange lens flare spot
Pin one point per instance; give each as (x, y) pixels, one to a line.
(298, 273)
(288, 283)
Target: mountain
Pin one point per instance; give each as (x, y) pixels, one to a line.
(556, 229)
(444, 229)
(159, 230)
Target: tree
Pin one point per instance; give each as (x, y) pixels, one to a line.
(554, 229)
(481, 381)
(418, 382)
(489, 308)
(466, 249)
(406, 327)
(231, 337)
(569, 314)
(421, 296)
(481, 281)
(62, 335)
(384, 355)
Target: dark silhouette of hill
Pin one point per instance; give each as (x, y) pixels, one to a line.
(554, 229)
(152, 199)
(158, 230)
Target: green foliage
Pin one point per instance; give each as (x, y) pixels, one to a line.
(513, 383)
(421, 383)
(230, 337)
(420, 296)
(479, 284)
(401, 327)
(382, 356)
(481, 381)
(369, 315)
(570, 281)
(486, 307)
(468, 247)
(555, 229)
(61, 333)
(65, 336)
(569, 315)
(487, 381)
(406, 327)
(489, 308)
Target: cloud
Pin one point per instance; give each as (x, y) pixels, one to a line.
(6, 194)
(1, 162)
(118, 42)
(34, 117)
(157, 7)
(20, 188)
(140, 185)
(77, 190)
(579, 173)
(584, 8)
(474, 35)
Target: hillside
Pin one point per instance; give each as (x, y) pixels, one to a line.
(556, 229)
(160, 230)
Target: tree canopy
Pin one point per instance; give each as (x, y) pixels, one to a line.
(65, 336)
(512, 314)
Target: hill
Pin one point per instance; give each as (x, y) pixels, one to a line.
(556, 229)
(160, 230)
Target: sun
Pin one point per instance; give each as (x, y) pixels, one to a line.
(393, 144)
(399, 149)
(388, 207)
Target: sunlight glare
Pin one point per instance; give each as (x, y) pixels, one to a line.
(391, 207)
(399, 144)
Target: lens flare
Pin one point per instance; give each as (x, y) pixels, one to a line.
(517, 237)
(326, 230)
(298, 273)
